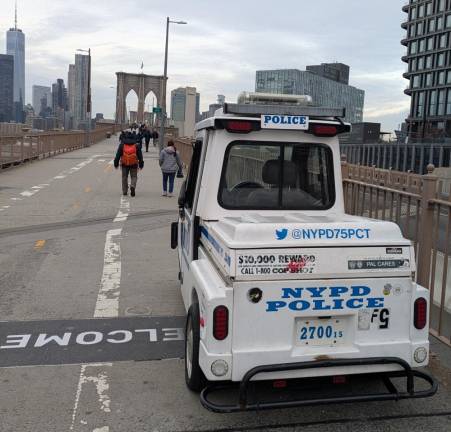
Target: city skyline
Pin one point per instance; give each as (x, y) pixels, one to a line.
(209, 55)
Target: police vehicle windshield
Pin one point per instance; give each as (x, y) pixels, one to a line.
(282, 176)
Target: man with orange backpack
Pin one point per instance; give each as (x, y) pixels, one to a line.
(131, 158)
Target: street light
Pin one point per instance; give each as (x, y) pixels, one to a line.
(88, 102)
(165, 77)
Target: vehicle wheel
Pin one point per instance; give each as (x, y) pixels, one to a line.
(194, 377)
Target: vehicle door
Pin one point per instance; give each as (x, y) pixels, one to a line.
(188, 221)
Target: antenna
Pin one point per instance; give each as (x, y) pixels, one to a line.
(15, 16)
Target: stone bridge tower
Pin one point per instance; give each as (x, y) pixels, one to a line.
(142, 84)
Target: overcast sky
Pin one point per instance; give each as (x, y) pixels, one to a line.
(221, 47)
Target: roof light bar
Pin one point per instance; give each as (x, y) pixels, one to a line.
(258, 110)
(273, 98)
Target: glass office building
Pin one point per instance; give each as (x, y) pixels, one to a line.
(428, 56)
(15, 46)
(6, 87)
(325, 92)
(81, 91)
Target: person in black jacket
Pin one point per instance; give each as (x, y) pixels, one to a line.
(131, 158)
(139, 140)
(154, 137)
(147, 136)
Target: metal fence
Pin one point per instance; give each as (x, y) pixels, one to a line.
(414, 157)
(18, 149)
(417, 205)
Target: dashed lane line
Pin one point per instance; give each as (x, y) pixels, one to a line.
(107, 306)
(33, 190)
(124, 211)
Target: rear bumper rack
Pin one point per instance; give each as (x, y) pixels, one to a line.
(392, 392)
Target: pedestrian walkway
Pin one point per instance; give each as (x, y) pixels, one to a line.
(92, 316)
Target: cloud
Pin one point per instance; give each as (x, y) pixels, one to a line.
(221, 48)
(374, 112)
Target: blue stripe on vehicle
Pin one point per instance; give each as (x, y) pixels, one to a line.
(215, 245)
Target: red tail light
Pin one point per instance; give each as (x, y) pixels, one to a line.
(325, 130)
(279, 384)
(420, 313)
(220, 322)
(239, 126)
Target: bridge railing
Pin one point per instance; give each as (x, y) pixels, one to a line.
(417, 205)
(414, 156)
(18, 149)
(185, 148)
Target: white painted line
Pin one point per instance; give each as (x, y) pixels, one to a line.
(100, 380)
(16, 199)
(107, 305)
(28, 193)
(58, 177)
(108, 298)
(101, 160)
(121, 217)
(124, 210)
(6, 206)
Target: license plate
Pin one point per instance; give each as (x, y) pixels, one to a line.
(319, 332)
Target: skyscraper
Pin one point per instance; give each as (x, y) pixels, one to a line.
(332, 93)
(71, 88)
(183, 109)
(6, 87)
(81, 90)
(428, 44)
(59, 101)
(334, 71)
(59, 95)
(40, 92)
(15, 46)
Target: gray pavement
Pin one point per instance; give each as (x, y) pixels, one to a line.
(63, 245)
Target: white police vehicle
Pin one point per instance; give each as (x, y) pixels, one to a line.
(278, 281)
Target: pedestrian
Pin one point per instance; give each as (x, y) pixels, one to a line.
(131, 158)
(154, 137)
(170, 163)
(139, 140)
(147, 136)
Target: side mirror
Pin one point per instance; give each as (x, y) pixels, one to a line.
(182, 195)
(174, 235)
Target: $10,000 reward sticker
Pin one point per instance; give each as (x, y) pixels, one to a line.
(267, 264)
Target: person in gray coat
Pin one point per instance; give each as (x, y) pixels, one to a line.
(170, 163)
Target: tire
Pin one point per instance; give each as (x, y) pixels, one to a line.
(194, 377)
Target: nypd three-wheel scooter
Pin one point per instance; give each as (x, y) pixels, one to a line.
(278, 282)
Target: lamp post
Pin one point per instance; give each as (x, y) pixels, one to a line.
(88, 102)
(165, 77)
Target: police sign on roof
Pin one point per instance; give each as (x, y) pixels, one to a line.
(298, 122)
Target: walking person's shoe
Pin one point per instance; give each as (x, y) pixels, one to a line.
(125, 193)
(132, 191)
(170, 194)
(164, 193)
